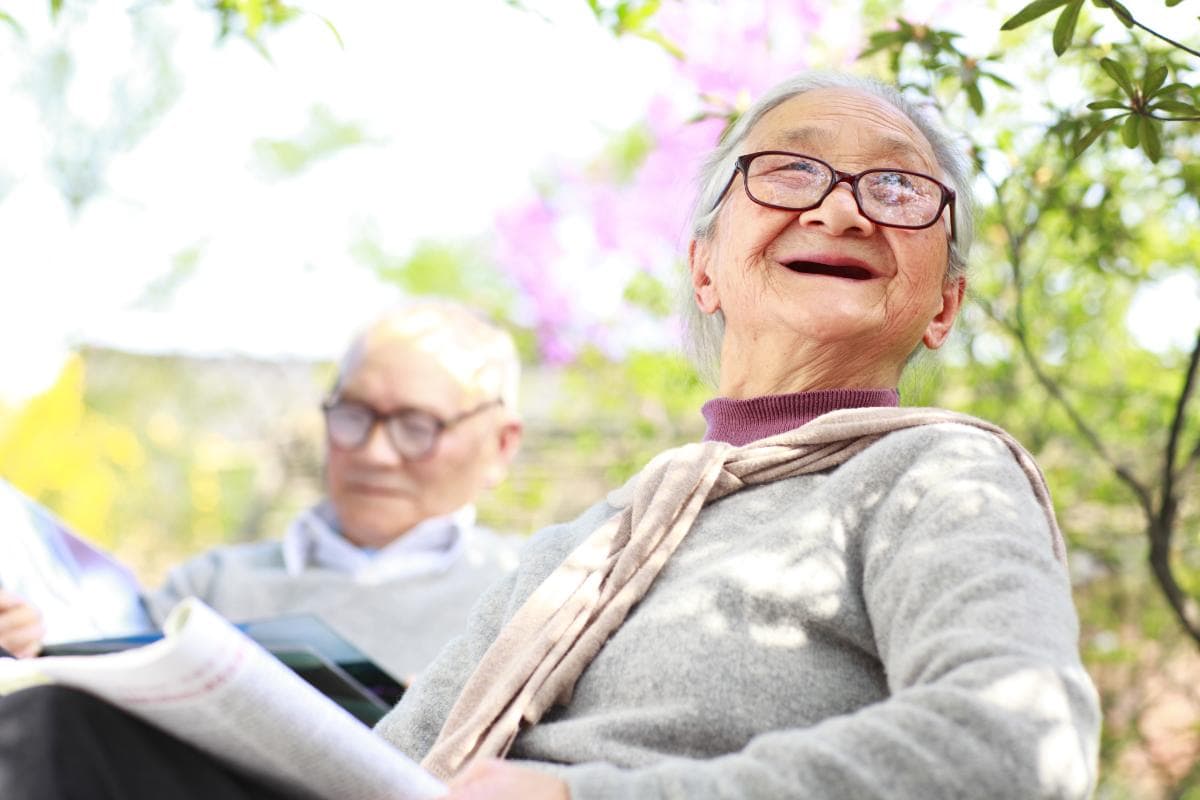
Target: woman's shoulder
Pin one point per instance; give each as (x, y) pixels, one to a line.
(550, 545)
(979, 434)
(953, 446)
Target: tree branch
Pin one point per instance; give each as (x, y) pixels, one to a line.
(1177, 421)
(1127, 17)
(1185, 608)
(1016, 242)
(1162, 527)
(1145, 499)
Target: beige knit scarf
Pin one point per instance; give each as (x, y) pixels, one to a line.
(537, 657)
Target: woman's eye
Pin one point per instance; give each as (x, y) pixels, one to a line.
(803, 167)
(893, 187)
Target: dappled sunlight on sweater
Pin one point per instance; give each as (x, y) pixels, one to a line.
(1043, 697)
(736, 586)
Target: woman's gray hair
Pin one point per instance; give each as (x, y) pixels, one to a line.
(703, 332)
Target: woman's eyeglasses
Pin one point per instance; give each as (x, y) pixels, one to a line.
(895, 198)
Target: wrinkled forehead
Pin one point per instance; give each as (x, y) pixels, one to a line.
(850, 128)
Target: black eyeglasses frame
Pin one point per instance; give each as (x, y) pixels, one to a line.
(377, 418)
(742, 165)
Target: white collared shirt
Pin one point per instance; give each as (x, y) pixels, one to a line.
(430, 547)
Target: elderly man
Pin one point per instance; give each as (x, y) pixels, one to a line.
(422, 418)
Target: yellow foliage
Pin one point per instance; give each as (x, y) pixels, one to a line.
(68, 456)
(163, 430)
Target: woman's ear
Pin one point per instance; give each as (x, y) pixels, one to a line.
(939, 327)
(699, 260)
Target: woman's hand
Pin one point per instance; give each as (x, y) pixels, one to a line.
(21, 628)
(494, 779)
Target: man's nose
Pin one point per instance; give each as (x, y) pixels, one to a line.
(378, 447)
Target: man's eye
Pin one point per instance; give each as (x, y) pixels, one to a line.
(417, 425)
(354, 413)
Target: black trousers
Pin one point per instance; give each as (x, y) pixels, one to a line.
(58, 743)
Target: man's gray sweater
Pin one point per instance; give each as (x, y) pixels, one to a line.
(400, 622)
(897, 627)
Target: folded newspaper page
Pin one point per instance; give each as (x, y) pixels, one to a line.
(210, 685)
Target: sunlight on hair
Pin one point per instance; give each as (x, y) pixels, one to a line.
(481, 356)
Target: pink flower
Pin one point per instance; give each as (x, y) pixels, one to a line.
(735, 50)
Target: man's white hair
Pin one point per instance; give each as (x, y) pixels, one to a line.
(479, 353)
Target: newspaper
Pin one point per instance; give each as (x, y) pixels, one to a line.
(210, 685)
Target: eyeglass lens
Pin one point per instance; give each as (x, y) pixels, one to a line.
(890, 197)
(412, 432)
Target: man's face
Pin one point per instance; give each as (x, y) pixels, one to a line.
(377, 494)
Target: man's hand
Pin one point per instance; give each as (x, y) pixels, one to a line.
(493, 779)
(21, 629)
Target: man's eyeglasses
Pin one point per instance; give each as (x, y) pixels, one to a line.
(895, 198)
(413, 432)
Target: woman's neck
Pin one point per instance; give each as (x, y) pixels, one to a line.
(741, 421)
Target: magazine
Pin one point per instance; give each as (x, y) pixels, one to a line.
(82, 592)
(209, 684)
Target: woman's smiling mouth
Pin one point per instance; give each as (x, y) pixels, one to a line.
(848, 271)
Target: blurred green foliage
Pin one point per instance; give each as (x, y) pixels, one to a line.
(325, 136)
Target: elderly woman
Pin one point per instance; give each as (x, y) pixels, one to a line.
(829, 597)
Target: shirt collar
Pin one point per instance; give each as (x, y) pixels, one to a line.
(433, 545)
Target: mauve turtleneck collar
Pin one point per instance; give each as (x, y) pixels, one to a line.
(740, 422)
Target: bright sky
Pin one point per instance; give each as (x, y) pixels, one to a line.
(463, 100)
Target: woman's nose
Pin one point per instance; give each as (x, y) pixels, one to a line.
(839, 213)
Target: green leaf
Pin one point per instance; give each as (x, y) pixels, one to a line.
(996, 79)
(1129, 131)
(1064, 29)
(634, 19)
(974, 97)
(1174, 107)
(259, 47)
(1175, 87)
(55, 8)
(1105, 105)
(12, 23)
(1095, 133)
(881, 40)
(1121, 12)
(1154, 80)
(1172, 3)
(1118, 74)
(1151, 143)
(1031, 12)
(332, 29)
(674, 50)
(648, 292)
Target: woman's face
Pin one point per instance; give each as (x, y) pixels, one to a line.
(825, 298)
